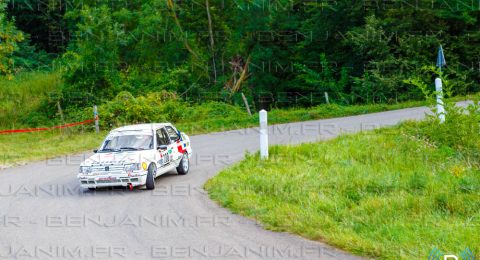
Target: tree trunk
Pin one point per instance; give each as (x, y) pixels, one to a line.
(246, 104)
(212, 42)
(177, 22)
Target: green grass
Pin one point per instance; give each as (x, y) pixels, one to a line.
(24, 147)
(279, 116)
(19, 148)
(211, 121)
(23, 95)
(384, 194)
(21, 102)
(217, 121)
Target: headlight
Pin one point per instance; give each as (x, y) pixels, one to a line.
(85, 169)
(131, 167)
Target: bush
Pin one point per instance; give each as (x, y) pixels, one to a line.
(127, 109)
(458, 134)
(156, 107)
(461, 129)
(213, 110)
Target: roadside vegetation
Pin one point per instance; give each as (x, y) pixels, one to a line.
(148, 62)
(24, 147)
(392, 193)
(214, 116)
(23, 99)
(211, 117)
(27, 100)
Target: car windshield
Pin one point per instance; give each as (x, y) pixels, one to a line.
(127, 142)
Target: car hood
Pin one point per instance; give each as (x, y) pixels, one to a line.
(125, 157)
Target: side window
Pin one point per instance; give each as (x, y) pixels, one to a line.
(172, 134)
(165, 136)
(160, 138)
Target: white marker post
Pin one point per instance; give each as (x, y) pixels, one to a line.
(95, 117)
(438, 85)
(263, 135)
(440, 107)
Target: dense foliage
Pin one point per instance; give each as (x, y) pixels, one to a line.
(9, 39)
(280, 53)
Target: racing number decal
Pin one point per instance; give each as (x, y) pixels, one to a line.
(164, 158)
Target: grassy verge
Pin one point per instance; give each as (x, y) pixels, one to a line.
(279, 116)
(389, 194)
(24, 102)
(24, 147)
(21, 97)
(19, 148)
(219, 122)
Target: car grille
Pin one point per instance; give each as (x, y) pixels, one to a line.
(107, 181)
(122, 180)
(100, 169)
(108, 169)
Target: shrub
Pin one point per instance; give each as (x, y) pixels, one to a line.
(458, 134)
(461, 128)
(156, 107)
(127, 109)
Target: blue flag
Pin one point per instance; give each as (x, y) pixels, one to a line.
(441, 58)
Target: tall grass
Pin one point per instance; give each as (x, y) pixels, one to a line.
(24, 147)
(23, 95)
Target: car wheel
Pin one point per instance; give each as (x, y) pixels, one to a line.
(184, 165)
(150, 183)
(92, 189)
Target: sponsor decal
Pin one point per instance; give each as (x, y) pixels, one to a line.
(180, 147)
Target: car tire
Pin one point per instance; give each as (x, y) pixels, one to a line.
(150, 183)
(92, 189)
(184, 165)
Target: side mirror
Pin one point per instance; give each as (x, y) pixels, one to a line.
(95, 151)
(162, 147)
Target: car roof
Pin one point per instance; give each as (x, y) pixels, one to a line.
(140, 127)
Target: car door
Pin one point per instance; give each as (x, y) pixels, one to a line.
(163, 139)
(175, 147)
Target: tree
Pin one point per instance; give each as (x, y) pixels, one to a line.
(9, 39)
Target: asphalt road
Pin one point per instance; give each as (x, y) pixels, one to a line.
(44, 214)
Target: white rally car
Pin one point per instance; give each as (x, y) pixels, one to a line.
(134, 155)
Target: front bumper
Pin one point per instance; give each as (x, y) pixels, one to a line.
(112, 180)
